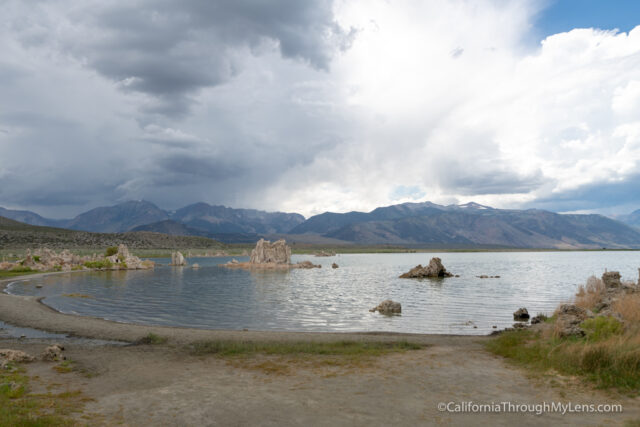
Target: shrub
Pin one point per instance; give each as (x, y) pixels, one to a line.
(102, 264)
(111, 250)
(21, 269)
(601, 327)
(36, 258)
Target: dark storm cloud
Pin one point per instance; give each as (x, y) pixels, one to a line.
(170, 50)
(493, 182)
(594, 196)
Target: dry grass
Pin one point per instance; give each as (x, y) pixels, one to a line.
(591, 294)
(629, 308)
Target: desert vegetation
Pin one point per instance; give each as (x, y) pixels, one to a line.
(603, 347)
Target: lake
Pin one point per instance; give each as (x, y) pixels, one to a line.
(326, 299)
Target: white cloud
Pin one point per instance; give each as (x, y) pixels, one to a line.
(445, 98)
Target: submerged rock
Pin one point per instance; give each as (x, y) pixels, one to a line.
(521, 314)
(434, 269)
(266, 252)
(306, 264)
(388, 307)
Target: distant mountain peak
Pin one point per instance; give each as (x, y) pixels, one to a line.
(474, 205)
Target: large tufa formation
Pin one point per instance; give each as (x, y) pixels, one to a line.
(266, 252)
(177, 259)
(125, 261)
(434, 269)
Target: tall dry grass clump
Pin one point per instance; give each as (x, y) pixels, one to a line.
(629, 308)
(591, 294)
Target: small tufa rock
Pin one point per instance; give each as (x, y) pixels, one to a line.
(540, 318)
(334, 265)
(569, 318)
(611, 279)
(306, 264)
(521, 314)
(53, 353)
(434, 269)
(195, 266)
(388, 307)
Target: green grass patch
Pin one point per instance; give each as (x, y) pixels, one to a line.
(340, 348)
(20, 407)
(152, 339)
(7, 274)
(101, 264)
(606, 356)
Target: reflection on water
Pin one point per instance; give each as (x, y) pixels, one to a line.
(329, 299)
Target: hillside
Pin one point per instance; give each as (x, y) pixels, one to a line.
(199, 218)
(632, 219)
(16, 235)
(472, 225)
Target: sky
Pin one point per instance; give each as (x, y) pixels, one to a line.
(320, 105)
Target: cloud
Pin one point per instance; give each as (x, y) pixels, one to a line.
(312, 106)
(170, 51)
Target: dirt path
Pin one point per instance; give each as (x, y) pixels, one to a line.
(164, 385)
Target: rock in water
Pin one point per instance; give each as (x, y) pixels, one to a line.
(388, 307)
(434, 269)
(521, 314)
(177, 259)
(266, 252)
(334, 265)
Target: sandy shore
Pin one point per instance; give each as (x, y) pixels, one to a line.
(168, 385)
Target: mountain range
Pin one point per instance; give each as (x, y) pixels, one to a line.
(408, 224)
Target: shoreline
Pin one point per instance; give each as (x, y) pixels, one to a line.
(31, 312)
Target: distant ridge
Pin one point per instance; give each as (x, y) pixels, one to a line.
(410, 224)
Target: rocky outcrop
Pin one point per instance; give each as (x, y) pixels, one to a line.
(53, 353)
(434, 269)
(124, 260)
(8, 356)
(266, 252)
(568, 320)
(611, 279)
(521, 315)
(388, 307)
(177, 259)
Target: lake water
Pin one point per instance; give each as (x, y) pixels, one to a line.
(326, 299)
